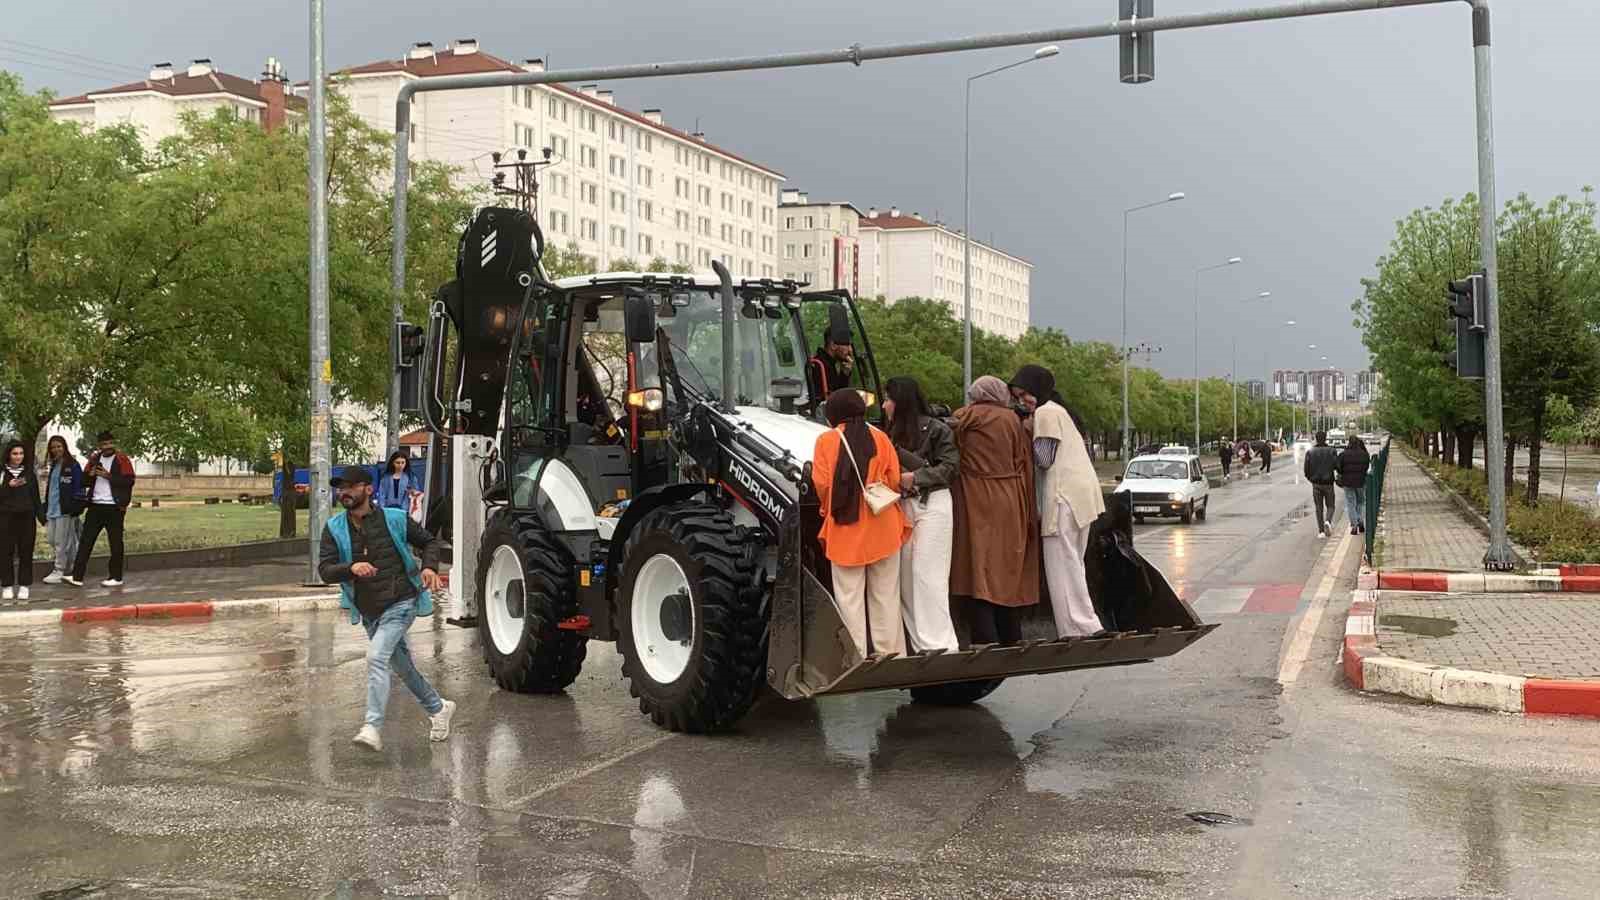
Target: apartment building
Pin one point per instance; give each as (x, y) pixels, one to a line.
(156, 104)
(1290, 385)
(908, 256)
(1326, 386)
(1254, 388)
(622, 184)
(1367, 382)
(819, 244)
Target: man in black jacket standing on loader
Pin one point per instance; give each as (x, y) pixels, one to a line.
(1321, 469)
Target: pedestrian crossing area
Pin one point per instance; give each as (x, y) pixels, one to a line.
(1279, 599)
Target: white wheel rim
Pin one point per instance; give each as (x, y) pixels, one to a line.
(662, 658)
(500, 585)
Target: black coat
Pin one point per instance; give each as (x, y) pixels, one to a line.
(1353, 463)
(23, 498)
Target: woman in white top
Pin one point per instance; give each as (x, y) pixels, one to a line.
(1069, 500)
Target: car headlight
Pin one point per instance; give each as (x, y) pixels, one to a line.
(1174, 496)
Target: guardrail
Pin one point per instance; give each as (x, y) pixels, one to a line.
(1374, 499)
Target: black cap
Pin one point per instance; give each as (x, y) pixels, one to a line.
(350, 476)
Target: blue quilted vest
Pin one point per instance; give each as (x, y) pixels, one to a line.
(339, 527)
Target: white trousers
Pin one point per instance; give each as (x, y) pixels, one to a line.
(871, 593)
(925, 572)
(1069, 584)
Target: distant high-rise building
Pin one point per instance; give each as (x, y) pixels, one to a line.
(1254, 389)
(1366, 387)
(1325, 386)
(1289, 385)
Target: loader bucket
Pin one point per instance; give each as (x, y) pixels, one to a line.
(810, 651)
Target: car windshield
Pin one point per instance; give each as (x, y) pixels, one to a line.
(1158, 468)
(766, 349)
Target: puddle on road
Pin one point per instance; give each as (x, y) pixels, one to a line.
(1217, 818)
(1426, 626)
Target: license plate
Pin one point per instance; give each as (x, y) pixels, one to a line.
(1147, 509)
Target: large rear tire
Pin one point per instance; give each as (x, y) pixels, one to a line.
(955, 693)
(691, 617)
(524, 591)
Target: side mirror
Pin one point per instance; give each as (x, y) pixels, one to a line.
(1119, 479)
(639, 319)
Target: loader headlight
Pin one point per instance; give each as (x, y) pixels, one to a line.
(649, 399)
(1174, 496)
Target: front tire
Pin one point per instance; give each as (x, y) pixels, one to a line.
(1201, 512)
(1188, 513)
(691, 617)
(524, 591)
(955, 693)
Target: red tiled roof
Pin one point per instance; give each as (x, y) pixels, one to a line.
(884, 220)
(449, 63)
(182, 84)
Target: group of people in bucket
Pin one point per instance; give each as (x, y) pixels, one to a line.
(971, 508)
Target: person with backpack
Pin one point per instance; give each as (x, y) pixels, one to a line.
(1354, 461)
(367, 551)
(63, 505)
(21, 512)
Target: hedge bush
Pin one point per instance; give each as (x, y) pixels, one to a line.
(1554, 531)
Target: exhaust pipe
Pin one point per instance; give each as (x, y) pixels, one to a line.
(726, 401)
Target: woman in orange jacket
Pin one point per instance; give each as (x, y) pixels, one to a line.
(863, 547)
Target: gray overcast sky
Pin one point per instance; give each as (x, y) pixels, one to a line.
(1299, 143)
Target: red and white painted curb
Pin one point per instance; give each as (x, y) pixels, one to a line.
(1582, 579)
(1367, 669)
(258, 606)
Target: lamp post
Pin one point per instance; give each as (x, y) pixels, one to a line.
(1126, 428)
(966, 215)
(1232, 261)
(1266, 395)
(1233, 374)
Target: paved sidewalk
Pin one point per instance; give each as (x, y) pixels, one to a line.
(1422, 527)
(262, 579)
(1536, 635)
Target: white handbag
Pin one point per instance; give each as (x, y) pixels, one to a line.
(879, 495)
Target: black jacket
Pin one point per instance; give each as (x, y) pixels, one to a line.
(371, 542)
(824, 375)
(935, 460)
(1322, 464)
(1353, 463)
(119, 474)
(23, 498)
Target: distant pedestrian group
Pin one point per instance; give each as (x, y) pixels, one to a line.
(1327, 468)
(54, 497)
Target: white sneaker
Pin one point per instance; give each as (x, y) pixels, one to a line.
(441, 722)
(368, 737)
(7, 594)
(112, 582)
(54, 578)
(22, 593)
(72, 580)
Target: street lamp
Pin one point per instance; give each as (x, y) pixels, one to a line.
(1266, 396)
(1126, 428)
(966, 215)
(1232, 261)
(1233, 374)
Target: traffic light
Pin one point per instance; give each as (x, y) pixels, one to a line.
(1466, 297)
(410, 341)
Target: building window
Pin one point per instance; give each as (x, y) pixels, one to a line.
(805, 251)
(617, 166)
(591, 122)
(643, 141)
(681, 220)
(618, 201)
(827, 220)
(766, 243)
(683, 253)
(748, 238)
(558, 221)
(705, 258)
(646, 177)
(645, 210)
(727, 202)
(705, 196)
(558, 147)
(766, 271)
(705, 225)
(589, 229)
(619, 237)
(680, 187)
(588, 156)
(811, 221)
(646, 245)
(590, 193)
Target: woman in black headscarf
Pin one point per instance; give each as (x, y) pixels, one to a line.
(862, 546)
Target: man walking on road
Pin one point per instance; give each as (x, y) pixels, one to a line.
(1353, 462)
(1225, 454)
(1266, 455)
(1322, 468)
(366, 551)
(108, 483)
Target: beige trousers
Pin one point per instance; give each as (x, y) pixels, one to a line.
(1069, 584)
(870, 594)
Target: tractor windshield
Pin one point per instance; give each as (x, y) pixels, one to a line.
(766, 341)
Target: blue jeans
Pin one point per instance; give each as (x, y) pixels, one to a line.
(388, 651)
(1353, 498)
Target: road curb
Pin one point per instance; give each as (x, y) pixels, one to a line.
(1368, 670)
(1493, 582)
(255, 606)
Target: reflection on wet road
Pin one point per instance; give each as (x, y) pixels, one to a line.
(213, 759)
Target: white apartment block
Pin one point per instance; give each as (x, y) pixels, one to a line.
(155, 105)
(907, 256)
(622, 185)
(819, 244)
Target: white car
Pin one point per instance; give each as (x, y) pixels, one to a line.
(1166, 485)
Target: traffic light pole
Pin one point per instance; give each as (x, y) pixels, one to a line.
(1499, 555)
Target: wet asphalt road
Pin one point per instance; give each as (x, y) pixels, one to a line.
(213, 759)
